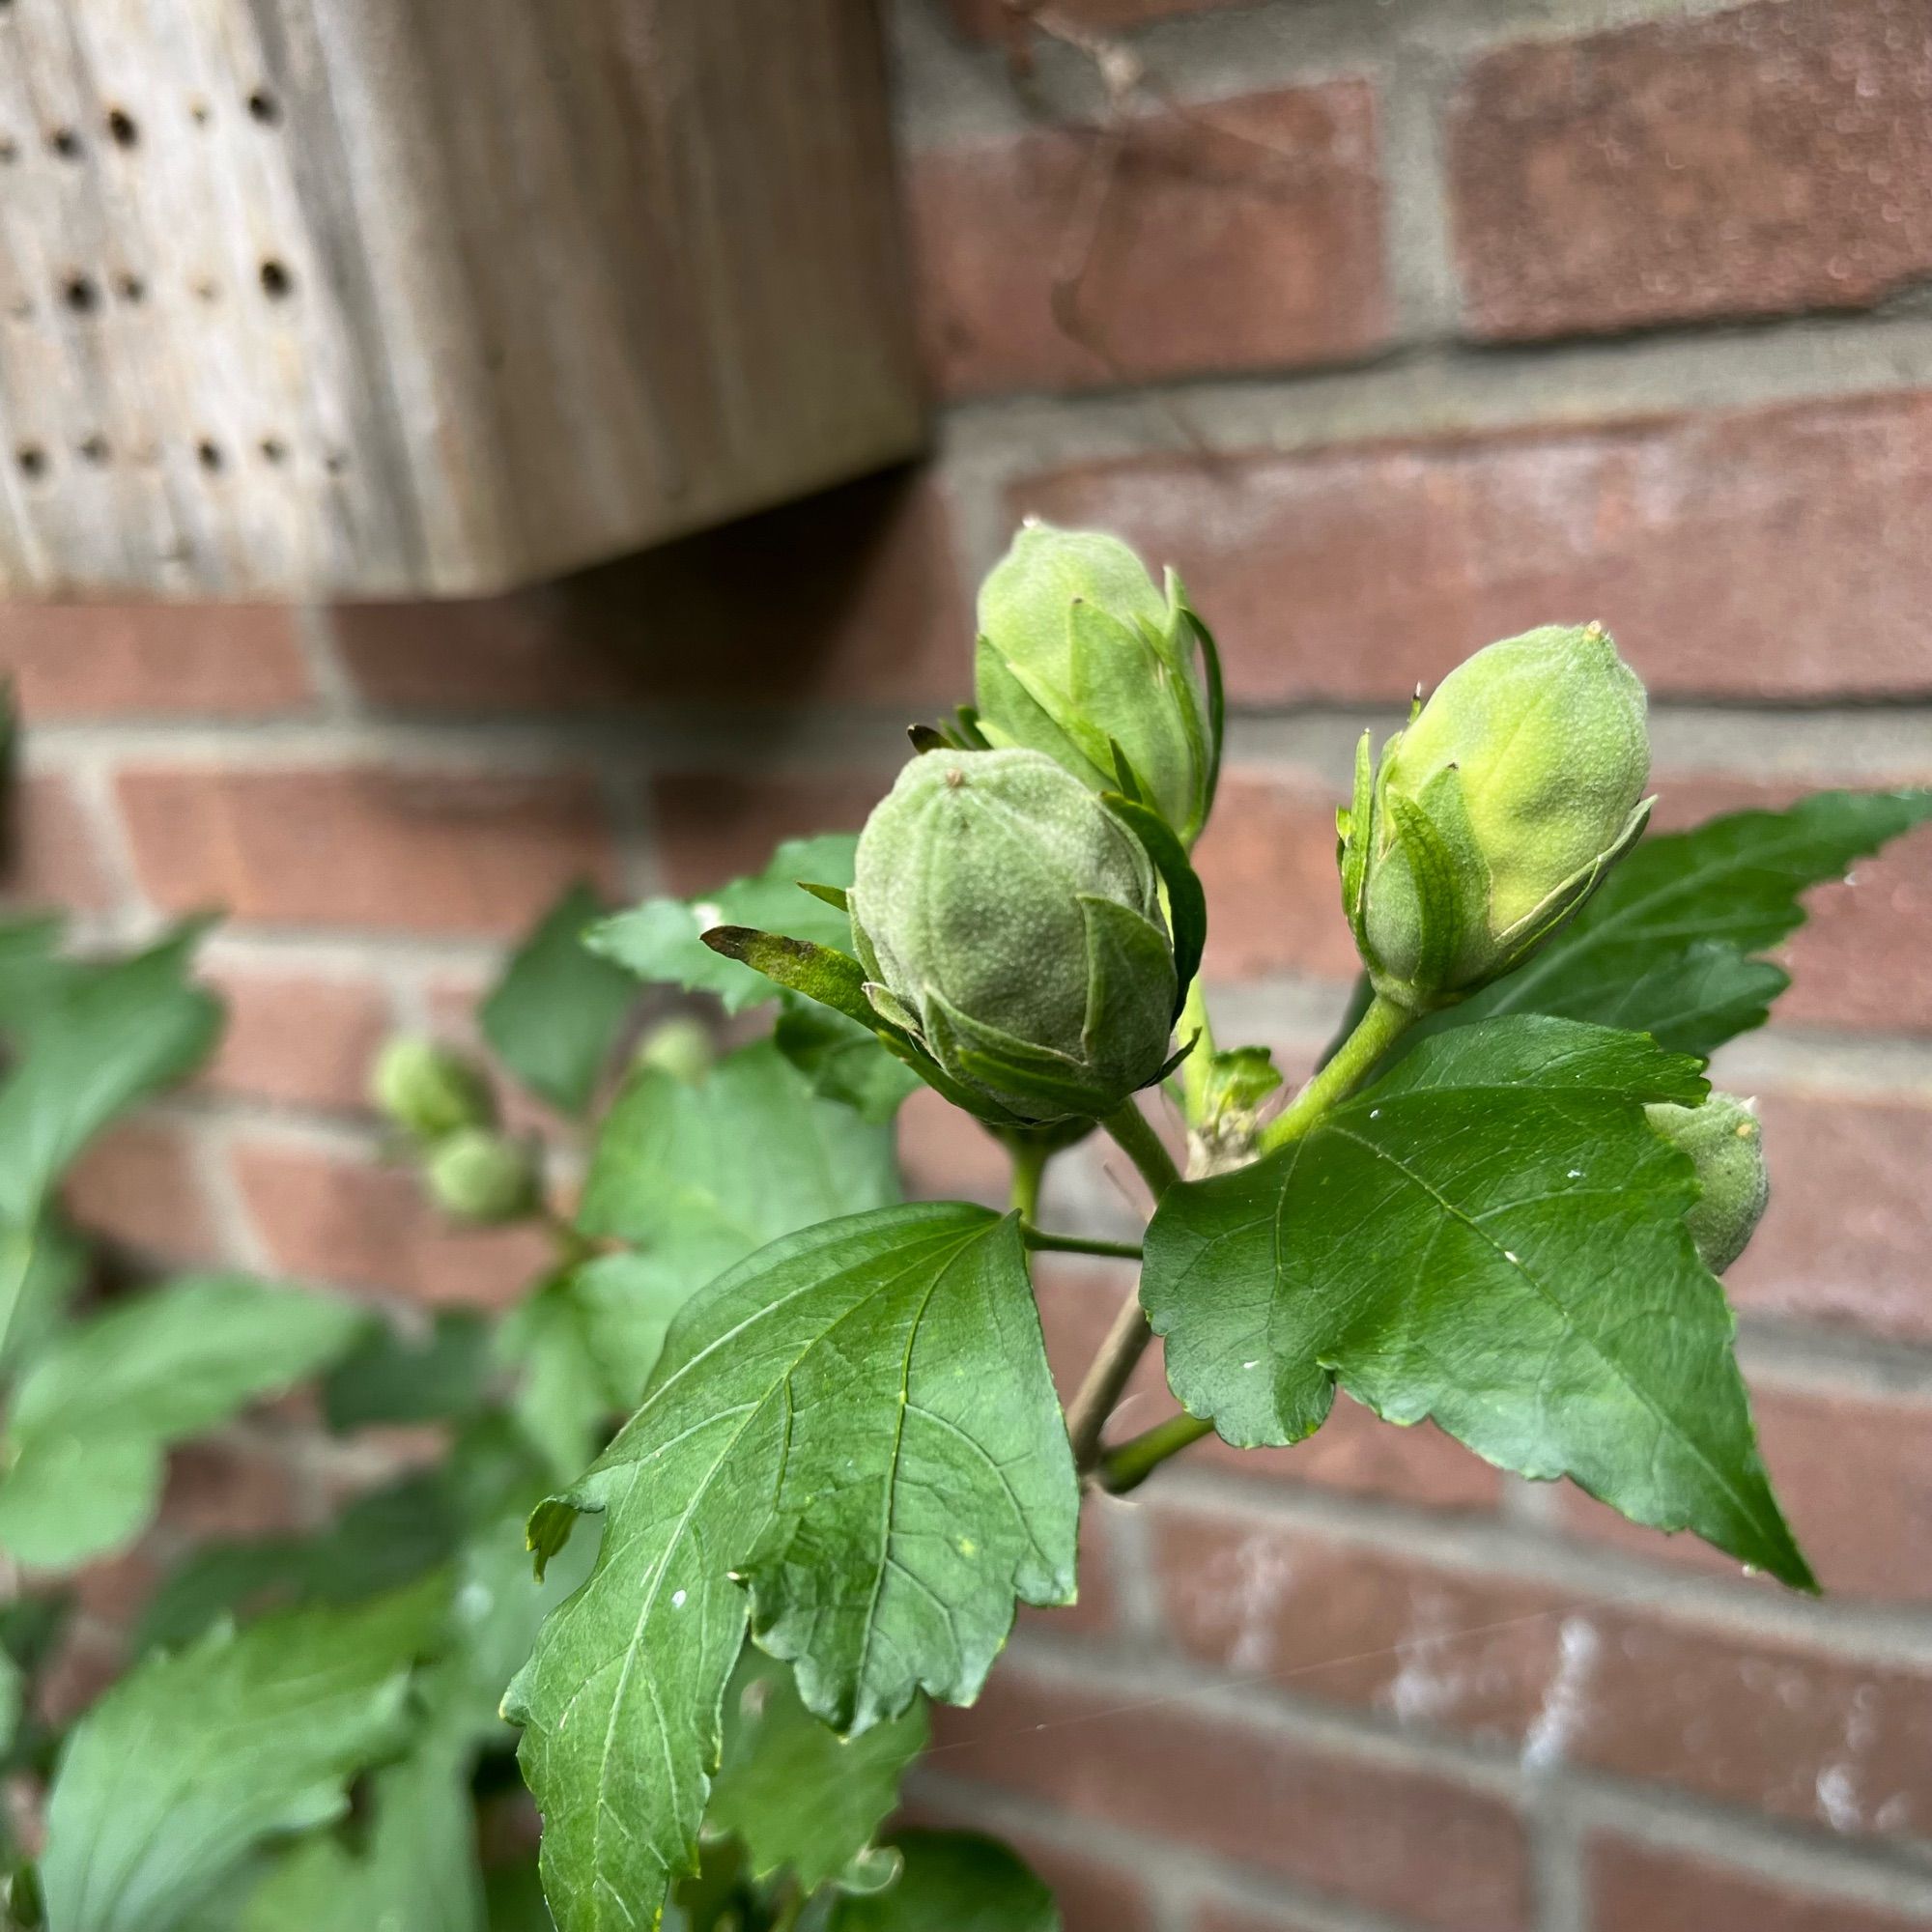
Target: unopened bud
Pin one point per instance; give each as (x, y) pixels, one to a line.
(1726, 1146)
(429, 1089)
(483, 1177)
(1011, 923)
(1495, 813)
(1080, 653)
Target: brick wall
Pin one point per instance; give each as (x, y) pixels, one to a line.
(1398, 326)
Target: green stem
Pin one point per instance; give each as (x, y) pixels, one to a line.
(1078, 1244)
(1380, 1028)
(1196, 1070)
(1142, 1146)
(1129, 1463)
(1029, 1169)
(1129, 1337)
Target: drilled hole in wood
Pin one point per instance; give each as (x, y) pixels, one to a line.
(33, 461)
(276, 281)
(208, 455)
(81, 294)
(335, 461)
(207, 291)
(121, 126)
(198, 113)
(95, 450)
(263, 106)
(130, 288)
(273, 451)
(9, 150)
(66, 143)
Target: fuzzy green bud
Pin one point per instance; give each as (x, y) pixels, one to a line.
(481, 1175)
(1079, 652)
(1009, 921)
(681, 1047)
(1495, 813)
(429, 1089)
(1726, 1146)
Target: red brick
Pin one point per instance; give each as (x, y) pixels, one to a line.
(1855, 1475)
(1002, 20)
(1238, 233)
(849, 595)
(227, 1488)
(1401, 1840)
(1638, 1888)
(138, 1185)
(1222, 1918)
(298, 1039)
(72, 660)
(51, 857)
(1755, 1721)
(711, 826)
(947, 1155)
(442, 852)
(1274, 896)
(1767, 160)
(1764, 553)
(335, 1217)
(1844, 1238)
(1097, 1613)
(1864, 958)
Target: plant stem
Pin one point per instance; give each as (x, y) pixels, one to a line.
(1380, 1028)
(1129, 1337)
(1142, 1146)
(1129, 1463)
(1038, 1239)
(1029, 1169)
(1197, 1069)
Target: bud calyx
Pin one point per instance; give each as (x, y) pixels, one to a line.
(1080, 654)
(1012, 923)
(1495, 814)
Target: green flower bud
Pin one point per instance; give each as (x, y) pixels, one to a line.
(681, 1047)
(1726, 1146)
(430, 1091)
(1009, 921)
(1495, 813)
(1078, 652)
(477, 1175)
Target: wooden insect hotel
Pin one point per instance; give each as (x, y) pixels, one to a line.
(404, 298)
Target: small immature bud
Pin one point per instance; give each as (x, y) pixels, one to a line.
(430, 1091)
(1011, 923)
(681, 1047)
(484, 1177)
(1726, 1146)
(1079, 653)
(1494, 814)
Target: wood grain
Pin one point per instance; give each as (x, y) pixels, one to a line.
(417, 296)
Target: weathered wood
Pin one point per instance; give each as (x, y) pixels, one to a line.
(414, 297)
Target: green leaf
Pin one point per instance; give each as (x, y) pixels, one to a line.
(799, 1796)
(110, 1035)
(191, 1760)
(1669, 944)
(557, 1010)
(1494, 1235)
(660, 940)
(41, 1268)
(700, 1176)
(587, 1342)
(852, 1439)
(843, 1059)
(93, 1418)
(954, 1881)
(391, 1378)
